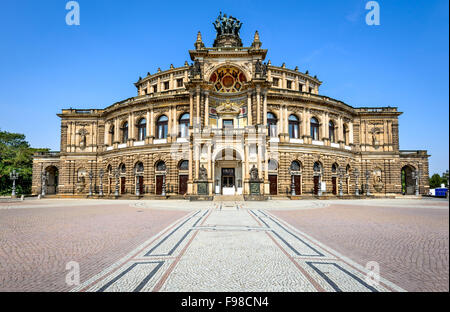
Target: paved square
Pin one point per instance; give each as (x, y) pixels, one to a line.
(224, 246)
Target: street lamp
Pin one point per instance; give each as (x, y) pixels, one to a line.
(341, 176)
(138, 185)
(116, 175)
(91, 176)
(417, 181)
(367, 183)
(292, 182)
(13, 175)
(44, 178)
(356, 173)
(163, 193)
(100, 175)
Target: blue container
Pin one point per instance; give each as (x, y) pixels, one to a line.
(441, 192)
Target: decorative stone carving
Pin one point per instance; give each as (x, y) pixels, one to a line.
(83, 134)
(377, 181)
(254, 174)
(227, 29)
(203, 173)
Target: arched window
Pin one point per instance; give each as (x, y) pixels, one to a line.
(334, 168)
(272, 124)
(139, 167)
(293, 127)
(228, 79)
(125, 132)
(314, 129)
(160, 166)
(122, 169)
(184, 165)
(184, 125)
(317, 167)
(111, 135)
(295, 166)
(109, 170)
(273, 165)
(347, 169)
(344, 130)
(162, 127)
(331, 131)
(142, 129)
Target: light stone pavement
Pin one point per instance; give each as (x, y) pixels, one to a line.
(234, 246)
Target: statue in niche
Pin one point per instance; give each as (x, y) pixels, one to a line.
(83, 134)
(195, 69)
(203, 174)
(254, 174)
(374, 132)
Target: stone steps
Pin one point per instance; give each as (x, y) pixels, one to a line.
(228, 198)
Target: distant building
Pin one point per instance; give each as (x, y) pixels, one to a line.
(230, 124)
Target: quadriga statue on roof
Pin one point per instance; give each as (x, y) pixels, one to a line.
(227, 25)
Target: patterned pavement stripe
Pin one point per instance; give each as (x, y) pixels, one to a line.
(235, 250)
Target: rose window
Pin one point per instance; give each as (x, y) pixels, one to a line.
(228, 79)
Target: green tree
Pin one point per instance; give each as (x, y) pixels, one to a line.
(444, 178)
(16, 153)
(435, 181)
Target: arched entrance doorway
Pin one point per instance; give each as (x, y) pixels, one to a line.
(296, 171)
(317, 178)
(228, 172)
(52, 182)
(408, 182)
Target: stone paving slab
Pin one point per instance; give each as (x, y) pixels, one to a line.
(235, 249)
(410, 244)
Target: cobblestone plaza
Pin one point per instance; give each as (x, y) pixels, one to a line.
(181, 246)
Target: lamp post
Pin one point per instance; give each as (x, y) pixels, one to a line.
(116, 175)
(417, 182)
(367, 183)
(101, 173)
(163, 192)
(356, 172)
(44, 177)
(292, 183)
(13, 175)
(91, 176)
(341, 176)
(138, 186)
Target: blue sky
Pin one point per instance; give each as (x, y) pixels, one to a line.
(46, 65)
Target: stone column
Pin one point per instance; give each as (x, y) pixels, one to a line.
(246, 169)
(249, 108)
(258, 105)
(198, 105)
(152, 125)
(207, 110)
(117, 131)
(147, 129)
(132, 127)
(265, 108)
(73, 140)
(350, 133)
(191, 108)
(280, 121)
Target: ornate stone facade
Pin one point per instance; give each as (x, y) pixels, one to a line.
(201, 128)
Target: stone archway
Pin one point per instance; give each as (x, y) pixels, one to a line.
(407, 180)
(228, 172)
(52, 180)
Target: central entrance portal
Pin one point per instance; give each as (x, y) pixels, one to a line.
(228, 168)
(228, 181)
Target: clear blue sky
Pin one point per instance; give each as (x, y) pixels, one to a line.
(46, 65)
